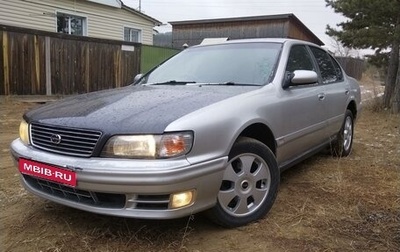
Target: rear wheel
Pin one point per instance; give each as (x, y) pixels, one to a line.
(342, 146)
(249, 185)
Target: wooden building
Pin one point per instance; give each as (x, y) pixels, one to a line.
(105, 19)
(273, 26)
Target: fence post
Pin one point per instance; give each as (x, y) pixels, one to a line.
(87, 68)
(117, 67)
(6, 64)
(48, 65)
(36, 50)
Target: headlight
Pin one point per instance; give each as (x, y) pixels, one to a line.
(149, 146)
(24, 132)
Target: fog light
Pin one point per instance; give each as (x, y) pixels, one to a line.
(182, 199)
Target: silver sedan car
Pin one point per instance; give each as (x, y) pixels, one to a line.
(210, 129)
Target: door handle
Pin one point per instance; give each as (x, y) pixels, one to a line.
(321, 96)
(347, 92)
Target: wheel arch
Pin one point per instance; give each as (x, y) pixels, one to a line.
(353, 108)
(262, 133)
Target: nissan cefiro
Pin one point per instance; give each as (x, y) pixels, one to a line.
(210, 129)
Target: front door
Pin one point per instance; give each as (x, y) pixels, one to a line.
(301, 111)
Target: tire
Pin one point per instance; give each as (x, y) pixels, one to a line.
(344, 142)
(249, 185)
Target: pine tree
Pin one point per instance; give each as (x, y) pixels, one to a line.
(373, 24)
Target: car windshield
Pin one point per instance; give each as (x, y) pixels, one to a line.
(230, 64)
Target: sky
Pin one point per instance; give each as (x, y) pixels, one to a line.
(313, 13)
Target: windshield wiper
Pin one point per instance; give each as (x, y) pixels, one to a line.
(172, 82)
(227, 83)
(230, 83)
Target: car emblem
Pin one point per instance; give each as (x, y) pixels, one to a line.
(55, 139)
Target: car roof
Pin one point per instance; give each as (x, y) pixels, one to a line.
(261, 40)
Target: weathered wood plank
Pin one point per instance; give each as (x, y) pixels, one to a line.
(48, 65)
(6, 70)
(86, 67)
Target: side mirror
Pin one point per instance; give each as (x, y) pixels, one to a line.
(137, 78)
(300, 77)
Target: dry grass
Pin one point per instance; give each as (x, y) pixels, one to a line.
(372, 90)
(324, 204)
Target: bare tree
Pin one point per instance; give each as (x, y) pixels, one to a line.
(342, 51)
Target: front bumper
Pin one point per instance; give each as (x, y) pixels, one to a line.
(133, 182)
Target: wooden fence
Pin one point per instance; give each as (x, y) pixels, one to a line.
(43, 63)
(352, 66)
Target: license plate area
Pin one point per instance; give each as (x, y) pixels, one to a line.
(47, 172)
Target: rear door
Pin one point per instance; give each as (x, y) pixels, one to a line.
(336, 90)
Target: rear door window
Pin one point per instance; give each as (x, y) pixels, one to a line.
(329, 72)
(339, 72)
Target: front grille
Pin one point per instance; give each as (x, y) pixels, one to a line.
(67, 141)
(97, 199)
(105, 200)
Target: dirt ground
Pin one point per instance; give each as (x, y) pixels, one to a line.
(324, 204)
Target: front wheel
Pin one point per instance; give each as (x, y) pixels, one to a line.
(342, 146)
(249, 185)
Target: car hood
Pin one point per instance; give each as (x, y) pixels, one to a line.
(132, 109)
